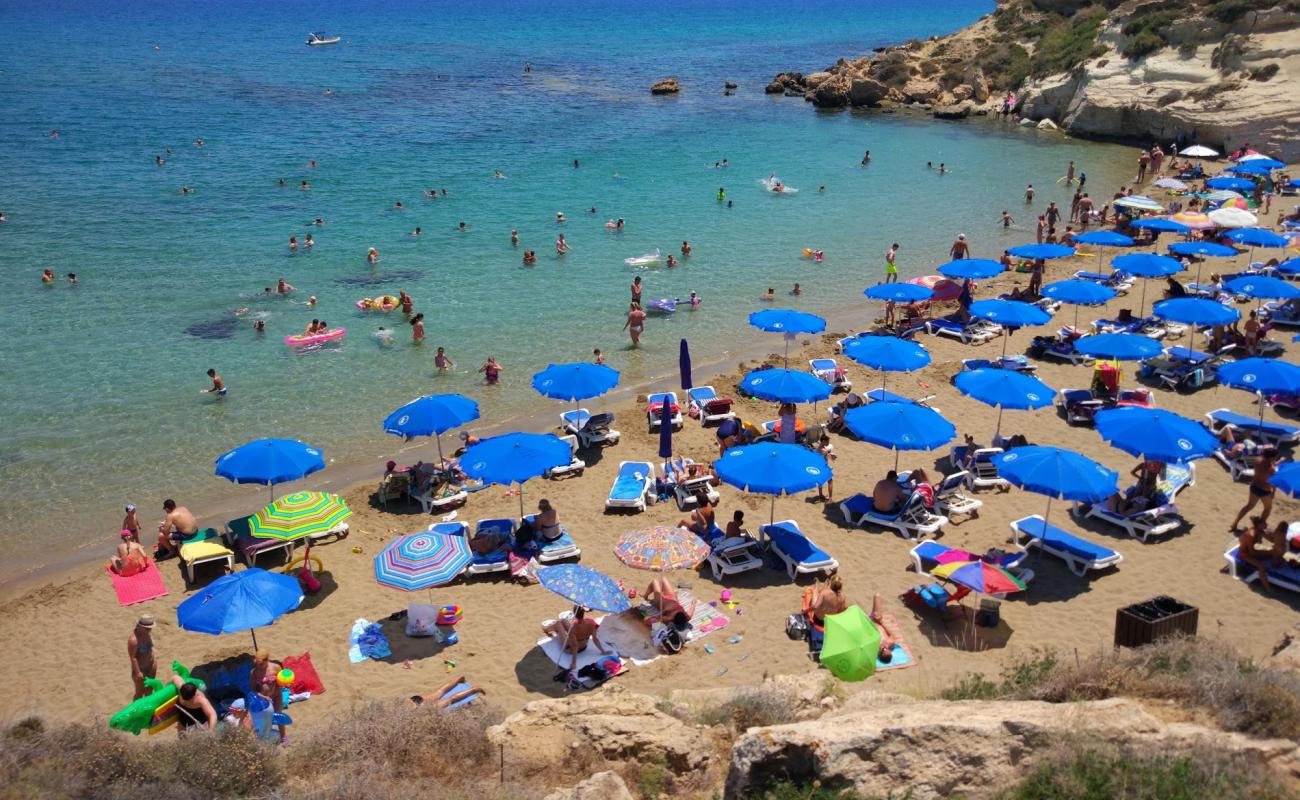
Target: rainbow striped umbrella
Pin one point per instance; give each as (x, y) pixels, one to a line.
(298, 515)
(1194, 220)
(980, 576)
(660, 548)
(422, 560)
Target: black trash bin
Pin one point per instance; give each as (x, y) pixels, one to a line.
(1157, 618)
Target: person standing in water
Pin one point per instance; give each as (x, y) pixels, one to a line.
(636, 289)
(218, 385)
(417, 328)
(561, 246)
(635, 323)
(491, 371)
(866, 158)
(443, 361)
(891, 269)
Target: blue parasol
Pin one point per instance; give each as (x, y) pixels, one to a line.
(785, 386)
(899, 426)
(1155, 434)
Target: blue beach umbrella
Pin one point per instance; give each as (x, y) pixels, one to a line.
(1079, 293)
(431, 415)
(1291, 266)
(1257, 237)
(1248, 168)
(1262, 287)
(1010, 314)
(1118, 346)
(1287, 478)
(1263, 375)
(1044, 251)
(584, 586)
(1146, 265)
(1211, 249)
(269, 461)
(578, 380)
(684, 365)
(1196, 311)
(1262, 161)
(1103, 239)
(772, 468)
(787, 321)
(1295, 183)
(422, 560)
(899, 426)
(785, 386)
(976, 269)
(514, 458)
(899, 292)
(1004, 388)
(240, 601)
(887, 354)
(1159, 224)
(1059, 474)
(1155, 434)
(666, 430)
(1232, 184)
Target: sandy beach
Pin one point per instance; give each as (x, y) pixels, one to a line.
(70, 633)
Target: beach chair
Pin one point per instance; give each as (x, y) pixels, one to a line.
(439, 497)
(840, 343)
(393, 485)
(1080, 555)
(912, 520)
(1182, 369)
(1277, 313)
(951, 500)
(1151, 327)
(496, 561)
(981, 473)
(1241, 466)
(576, 465)
(928, 554)
(1267, 432)
(885, 396)
(688, 492)
(1080, 406)
(1013, 363)
(1161, 518)
(1121, 282)
(204, 547)
(1140, 398)
(973, 332)
(238, 537)
(1061, 347)
(707, 406)
(558, 550)
(654, 410)
(734, 555)
(829, 371)
(1283, 576)
(591, 429)
(796, 551)
(633, 486)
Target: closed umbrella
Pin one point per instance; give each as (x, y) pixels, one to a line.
(785, 386)
(240, 601)
(1155, 434)
(684, 365)
(1010, 314)
(269, 461)
(1004, 388)
(514, 458)
(899, 426)
(431, 415)
(788, 322)
(772, 468)
(887, 354)
(666, 430)
(1059, 474)
(851, 645)
(1119, 346)
(976, 269)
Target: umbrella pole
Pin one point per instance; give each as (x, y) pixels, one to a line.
(1047, 513)
(254, 632)
(1142, 306)
(1076, 316)
(1006, 336)
(771, 517)
(437, 438)
(997, 431)
(521, 502)
(895, 460)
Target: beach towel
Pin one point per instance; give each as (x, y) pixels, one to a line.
(555, 652)
(137, 588)
(902, 657)
(305, 678)
(457, 689)
(367, 641)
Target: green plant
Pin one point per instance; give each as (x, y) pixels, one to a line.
(972, 687)
(1068, 44)
(1005, 64)
(753, 708)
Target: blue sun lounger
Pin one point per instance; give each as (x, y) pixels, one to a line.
(558, 549)
(1274, 433)
(912, 520)
(633, 487)
(800, 555)
(1286, 576)
(885, 396)
(1080, 555)
(496, 561)
(973, 332)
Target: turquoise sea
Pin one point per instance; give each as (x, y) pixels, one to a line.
(101, 388)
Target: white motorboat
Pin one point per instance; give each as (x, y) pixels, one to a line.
(316, 39)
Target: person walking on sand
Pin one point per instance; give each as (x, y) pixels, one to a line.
(1261, 489)
(635, 323)
(139, 648)
(891, 269)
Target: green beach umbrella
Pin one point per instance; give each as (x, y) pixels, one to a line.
(298, 515)
(851, 645)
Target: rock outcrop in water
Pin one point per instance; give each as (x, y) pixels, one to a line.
(665, 86)
(1224, 72)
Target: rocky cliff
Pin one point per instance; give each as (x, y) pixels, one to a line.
(1224, 72)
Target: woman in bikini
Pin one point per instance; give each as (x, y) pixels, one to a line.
(491, 371)
(547, 522)
(635, 323)
(1261, 489)
(573, 635)
(663, 597)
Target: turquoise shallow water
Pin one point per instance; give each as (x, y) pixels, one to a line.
(102, 381)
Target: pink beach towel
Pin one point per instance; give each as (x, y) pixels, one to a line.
(139, 587)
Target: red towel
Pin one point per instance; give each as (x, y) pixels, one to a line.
(139, 587)
(305, 678)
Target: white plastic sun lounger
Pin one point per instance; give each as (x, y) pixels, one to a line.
(708, 406)
(829, 371)
(576, 465)
(1284, 576)
(1274, 433)
(653, 411)
(633, 486)
(734, 555)
(796, 551)
(911, 521)
(1080, 555)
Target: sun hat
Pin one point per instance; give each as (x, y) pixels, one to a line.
(130, 507)
(126, 533)
(146, 621)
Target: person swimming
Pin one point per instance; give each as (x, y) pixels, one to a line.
(293, 242)
(561, 246)
(47, 276)
(416, 232)
(462, 227)
(372, 256)
(310, 242)
(796, 291)
(514, 237)
(770, 296)
(559, 216)
(672, 262)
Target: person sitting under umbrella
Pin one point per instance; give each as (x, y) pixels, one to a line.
(887, 495)
(701, 520)
(836, 424)
(573, 635)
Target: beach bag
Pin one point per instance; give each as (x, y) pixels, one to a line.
(593, 673)
(796, 627)
(421, 620)
(668, 640)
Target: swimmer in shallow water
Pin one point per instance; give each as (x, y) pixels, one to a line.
(770, 296)
(2, 217)
(304, 185)
(498, 174)
(416, 232)
(47, 276)
(559, 216)
(293, 242)
(283, 287)
(259, 325)
(72, 278)
(310, 241)
(561, 246)
(694, 300)
(686, 249)
(443, 361)
(796, 291)
(672, 262)
(514, 238)
(462, 227)
(218, 385)
(372, 256)
(398, 205)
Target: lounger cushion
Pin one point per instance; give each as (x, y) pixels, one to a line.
(1061, 541)
(794, 544)
(627, 486)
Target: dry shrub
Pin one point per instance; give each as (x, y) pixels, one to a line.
(753, 708)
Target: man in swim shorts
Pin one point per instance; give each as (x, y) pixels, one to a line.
(178, 526)
(891, 269)
(218, 385)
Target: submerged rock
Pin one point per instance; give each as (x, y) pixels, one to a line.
(666, 86)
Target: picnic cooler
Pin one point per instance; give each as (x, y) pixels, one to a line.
(1157, 618)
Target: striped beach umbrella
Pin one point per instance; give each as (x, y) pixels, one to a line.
(299, 515)
(979, 576)
(660, 549)
(1194, 220)
(422, 560)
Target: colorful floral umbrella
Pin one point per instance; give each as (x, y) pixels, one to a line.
(660, 548)
(584, 586)
(300, 514)
(943, 288)
(422, 560)
(851, 646)
(979, 575)
(1193, 220)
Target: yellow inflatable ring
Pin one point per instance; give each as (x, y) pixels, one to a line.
(288, 568)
